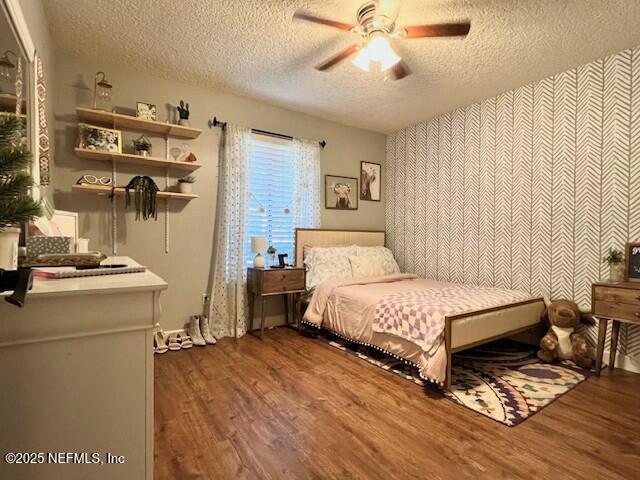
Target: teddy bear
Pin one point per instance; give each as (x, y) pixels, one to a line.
(562, 341)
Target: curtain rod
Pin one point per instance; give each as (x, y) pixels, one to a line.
(217, 123)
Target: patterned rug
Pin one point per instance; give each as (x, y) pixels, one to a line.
(503, 380)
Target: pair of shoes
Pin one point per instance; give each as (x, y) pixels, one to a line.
(200, 331)
(160, 342)
(179, 340)
(194, 331)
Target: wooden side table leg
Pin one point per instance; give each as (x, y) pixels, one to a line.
(252, 306)
(615, 331)
(298, 308)
(286, 308)
(602, 333)
(262, 318)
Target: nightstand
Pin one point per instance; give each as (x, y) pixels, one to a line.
(268, 282)
(618, 302)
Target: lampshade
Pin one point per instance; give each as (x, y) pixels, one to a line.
(377, 50)
(258, 244)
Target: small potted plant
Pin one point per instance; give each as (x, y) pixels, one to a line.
(142, 146)
(183, 112)
(272, 254)
(615, 260)
(185, 184)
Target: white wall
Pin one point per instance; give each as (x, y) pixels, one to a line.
(187, 265)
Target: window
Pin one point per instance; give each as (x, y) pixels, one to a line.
(270, 198)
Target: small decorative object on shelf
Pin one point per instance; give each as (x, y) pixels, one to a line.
(272, 255)
(183, 111)
(185, 184)
(145, 197)
(8, 67)
(102, 92)
(146, 111)
(633, 262)
(615, 260)
(16, 204)
(93, 180)
(258, 245)
(190, 158)
(142, 146)
(99, 138)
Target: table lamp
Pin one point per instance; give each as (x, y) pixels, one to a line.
(258, 245)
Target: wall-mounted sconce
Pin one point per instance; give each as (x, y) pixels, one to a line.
(101, 91)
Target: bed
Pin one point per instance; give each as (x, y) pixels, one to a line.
(357, 309)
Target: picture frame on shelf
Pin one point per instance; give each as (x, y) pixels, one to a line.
(632, 262)
(370, 181)
(341, 193)
(92, 137)
(146, 111)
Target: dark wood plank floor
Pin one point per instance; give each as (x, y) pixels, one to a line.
(291, 407)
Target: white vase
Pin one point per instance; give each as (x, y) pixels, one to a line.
(184, 187)
(9, 239)
(184, 122)
(616, 272)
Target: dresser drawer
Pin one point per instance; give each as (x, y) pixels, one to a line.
(276, 281)
(617, 295)
(622, 311)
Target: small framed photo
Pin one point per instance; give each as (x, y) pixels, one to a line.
(370, 181)
(101, 139)
(633, 262)
(146, 111)
(340, 193)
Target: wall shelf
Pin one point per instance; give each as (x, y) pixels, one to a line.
(128, 122)
(104, 190)
(135, 159)
(9, 101)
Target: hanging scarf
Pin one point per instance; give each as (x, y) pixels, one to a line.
(145, 197)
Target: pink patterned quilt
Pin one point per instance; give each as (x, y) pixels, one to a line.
(419, 315)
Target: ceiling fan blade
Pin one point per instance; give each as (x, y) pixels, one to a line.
(301, 15)
(439, 30)
(333, 61)
(400, 70)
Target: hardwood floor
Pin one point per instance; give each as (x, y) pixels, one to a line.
(291, 407)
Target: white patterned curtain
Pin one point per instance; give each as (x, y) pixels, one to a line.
(306, 208)
(227, 298)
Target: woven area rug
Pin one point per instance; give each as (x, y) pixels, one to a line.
(503, 380)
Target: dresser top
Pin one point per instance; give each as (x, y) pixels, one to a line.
(107, 284)
(630, 285)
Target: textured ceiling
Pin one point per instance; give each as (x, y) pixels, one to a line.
(253, 48)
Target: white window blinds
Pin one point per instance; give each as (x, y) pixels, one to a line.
(270, 202)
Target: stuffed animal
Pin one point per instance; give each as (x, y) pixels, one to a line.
(562, 341)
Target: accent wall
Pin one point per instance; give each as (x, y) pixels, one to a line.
(527, 190)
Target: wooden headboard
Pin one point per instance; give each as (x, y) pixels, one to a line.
(324, 237)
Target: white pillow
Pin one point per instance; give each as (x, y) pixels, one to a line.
(389, 265)
(325, 263)
(366, 265)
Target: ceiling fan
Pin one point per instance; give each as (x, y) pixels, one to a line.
(376, 24)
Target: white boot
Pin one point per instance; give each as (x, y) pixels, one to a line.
(206, 331)
(194, 331)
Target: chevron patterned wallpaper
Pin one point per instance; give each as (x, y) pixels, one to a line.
(527, 190)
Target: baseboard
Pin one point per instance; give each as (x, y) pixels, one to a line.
(624, 362)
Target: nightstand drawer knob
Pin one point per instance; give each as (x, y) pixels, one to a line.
(637, 314)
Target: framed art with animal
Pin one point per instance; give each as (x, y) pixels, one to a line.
(370, 181)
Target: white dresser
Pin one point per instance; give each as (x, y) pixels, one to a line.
(76, 376)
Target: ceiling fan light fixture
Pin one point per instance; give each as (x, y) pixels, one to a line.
(379, 51)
